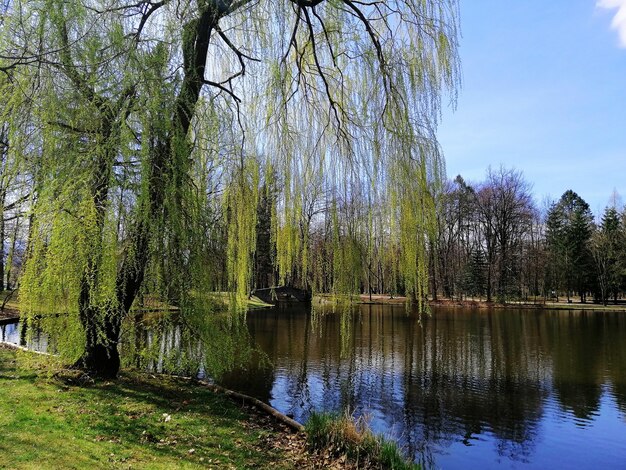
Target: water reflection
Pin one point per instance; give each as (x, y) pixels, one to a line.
(206, 345)
(458, 389)
(203, 345)
(14, 333)
(457, 385)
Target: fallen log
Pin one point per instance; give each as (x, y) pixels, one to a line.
(293, 424)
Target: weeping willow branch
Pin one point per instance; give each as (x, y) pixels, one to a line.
(156, 122)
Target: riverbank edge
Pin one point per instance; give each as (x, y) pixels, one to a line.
(287, 436)
(9, 315)
(364, 299)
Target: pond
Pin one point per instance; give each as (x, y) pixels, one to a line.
(478, 388)
(12, 333)
(460, 388)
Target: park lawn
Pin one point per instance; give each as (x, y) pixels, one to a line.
(137, 421)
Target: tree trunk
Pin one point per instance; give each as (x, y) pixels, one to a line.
(2, 235)
(23, 330)
(489, 283)
(9, 263)
(102, 357)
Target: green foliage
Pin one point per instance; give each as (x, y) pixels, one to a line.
(569, 225)
(242, 196)
(607, 249)
(210, 342)
(149, 137)
(474, 282)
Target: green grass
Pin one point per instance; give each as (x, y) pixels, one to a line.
(11, 298)
(135, 422)
(254, 302)
(342, 435)
(336, 299)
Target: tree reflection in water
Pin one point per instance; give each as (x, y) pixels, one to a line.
(531, 388)
(205, 345)
(455, 377)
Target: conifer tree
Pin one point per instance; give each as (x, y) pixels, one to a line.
(569, 225)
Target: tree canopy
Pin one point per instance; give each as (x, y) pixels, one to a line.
(569, 225)
(149, 129)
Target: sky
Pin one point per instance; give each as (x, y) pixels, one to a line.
(543, 91)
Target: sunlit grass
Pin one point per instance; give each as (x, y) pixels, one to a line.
(134, 422)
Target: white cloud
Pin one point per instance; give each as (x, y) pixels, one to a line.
(619, 20)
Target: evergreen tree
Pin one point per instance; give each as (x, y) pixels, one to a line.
(607, 247)
(475, 274)
(569, 226)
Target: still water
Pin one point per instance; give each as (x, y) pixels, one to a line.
(515, 389)
(460, 388)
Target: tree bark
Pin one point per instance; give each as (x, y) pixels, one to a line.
(102, 357)
(2, 236)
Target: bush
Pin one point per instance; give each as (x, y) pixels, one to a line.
(341, 434)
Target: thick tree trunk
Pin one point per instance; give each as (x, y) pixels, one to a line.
(102, 356)
(23, 330)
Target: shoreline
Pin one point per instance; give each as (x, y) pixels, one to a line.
(364, 299)
(148, 430)
(10, 315)
(540, 305)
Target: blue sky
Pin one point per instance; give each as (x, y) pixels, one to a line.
(544, 91)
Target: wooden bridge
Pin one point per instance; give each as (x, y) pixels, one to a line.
(279, 294)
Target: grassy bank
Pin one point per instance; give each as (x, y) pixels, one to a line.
(55, 418)
(383, 299)
(547, 305)
(135, 422)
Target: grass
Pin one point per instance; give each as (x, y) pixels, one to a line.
(10, 301)
(537, 303)
(336, 299)
(254, 303)
(135, 422)
(332, 299)
(220, 299)
(343, 435)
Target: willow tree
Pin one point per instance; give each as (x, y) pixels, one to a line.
(130, 95)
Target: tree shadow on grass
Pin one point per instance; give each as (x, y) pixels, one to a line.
(136, 420)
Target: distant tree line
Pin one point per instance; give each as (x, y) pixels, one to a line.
(490, 241)
(494, 243)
